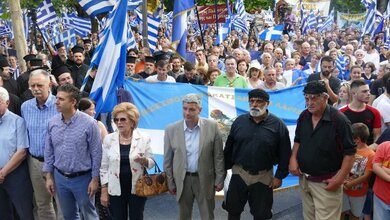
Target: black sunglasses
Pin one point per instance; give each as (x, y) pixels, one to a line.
(120, 119)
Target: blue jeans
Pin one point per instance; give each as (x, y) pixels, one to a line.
(381, 209)
(73, 196)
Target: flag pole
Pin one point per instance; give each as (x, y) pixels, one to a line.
(216, 16)
(200, 26)
(145, 23)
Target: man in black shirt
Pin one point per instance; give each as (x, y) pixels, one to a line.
(323, 154)
(189, 75)
(257, 141)
(332, 84)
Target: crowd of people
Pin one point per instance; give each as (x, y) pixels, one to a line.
(56, 158)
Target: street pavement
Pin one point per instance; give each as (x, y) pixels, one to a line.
(287, 206)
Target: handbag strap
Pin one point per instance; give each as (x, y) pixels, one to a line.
(156, 168)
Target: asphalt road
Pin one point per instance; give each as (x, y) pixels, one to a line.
(287, 206)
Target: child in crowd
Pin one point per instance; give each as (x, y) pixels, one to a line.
(381, 167)
(356, 184)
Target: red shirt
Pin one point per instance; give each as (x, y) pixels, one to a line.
(381, 187)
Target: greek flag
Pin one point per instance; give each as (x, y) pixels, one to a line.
(340, 64)
(5, 30)
(110, 58)
(312, 21)
(68, 37)
(224, 31)
(369, 23)
(159, 10)
(26, 23)
(81, 26)
(239, 20)
(273, 33)
(179, 32)
(46, 14)
(95, 7)
(130, 38)
(367, 3)
(153, 24)
(328, 24)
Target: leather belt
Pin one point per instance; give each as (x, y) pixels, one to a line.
(40, 159)
(191, 174)
(73, 175)
(320, 178)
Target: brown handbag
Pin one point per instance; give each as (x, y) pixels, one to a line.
(151, 184)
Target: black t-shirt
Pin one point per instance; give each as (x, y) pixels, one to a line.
(377, 88)
(196, 80)
(369, 116)
(125, 169)
(322, 149)
(258, 146)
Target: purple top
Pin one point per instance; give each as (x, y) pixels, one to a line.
(73, 146)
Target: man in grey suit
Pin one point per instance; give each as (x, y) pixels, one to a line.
(193, 160)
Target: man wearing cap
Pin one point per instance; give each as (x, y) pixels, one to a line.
(148, 67)
(78, 69)
(61, 57)
(130, 65)
(22, 80)
(36, 113)
(332, 83)
(140, 65)
(88, 50)
(322, 155)
(257, 141)
(193, 160)
(63, 75)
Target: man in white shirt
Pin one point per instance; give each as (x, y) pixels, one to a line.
(162, 73)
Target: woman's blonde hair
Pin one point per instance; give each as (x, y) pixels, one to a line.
(129, 109)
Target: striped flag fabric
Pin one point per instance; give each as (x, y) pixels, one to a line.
(81, 26)
(130, 38)
(68, 37)
(110, 59)
(95, 7)
(273, 33)
(5, 30)
(153, 24)
(369, 23)
(46, 14)
(239, 20)
(312, 21)
(340, 64)
(328, 24)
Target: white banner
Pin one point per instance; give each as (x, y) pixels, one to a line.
(345, 20)
(322, 5)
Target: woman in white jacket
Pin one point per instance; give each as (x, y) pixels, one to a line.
(126, 153)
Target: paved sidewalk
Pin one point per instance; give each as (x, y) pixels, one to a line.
(287, 206)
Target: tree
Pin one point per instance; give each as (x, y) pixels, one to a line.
(17, 26)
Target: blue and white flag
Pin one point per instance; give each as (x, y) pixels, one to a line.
(223, 31)
(68, 37)
(328, 24)
(5, 30)
(46, 14)
(158, 109)
(312, 21)
(130, 38)
(95, 7)
(179, 32)
(273, 33)
(240, 18)
(340, 64)
(153, 24)
(110, 59)
(81, 26)
(369, 23)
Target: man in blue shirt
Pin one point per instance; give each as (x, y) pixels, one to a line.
(36, 113)
(73, 153)
(15, 185)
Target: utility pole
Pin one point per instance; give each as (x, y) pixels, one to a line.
(17, 26)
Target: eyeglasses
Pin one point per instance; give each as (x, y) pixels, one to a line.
(116, 120)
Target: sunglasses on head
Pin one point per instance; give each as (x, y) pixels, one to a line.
(120, 120)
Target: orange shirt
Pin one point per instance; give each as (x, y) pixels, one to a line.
(363, 162)
(139, 67)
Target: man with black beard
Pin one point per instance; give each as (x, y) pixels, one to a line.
(257, 141)
(78, 69)
(61, 57)
(332, 84)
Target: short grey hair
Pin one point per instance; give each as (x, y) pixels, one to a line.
(4, 96)
(40, 72)
(192, 98)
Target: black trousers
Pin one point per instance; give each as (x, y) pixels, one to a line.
(127, 205)
(258, 195)
(16, 190)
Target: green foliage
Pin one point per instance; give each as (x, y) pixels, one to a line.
(350, 6)
(249, 4)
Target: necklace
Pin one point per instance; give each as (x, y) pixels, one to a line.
(125, 139)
